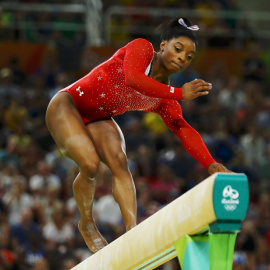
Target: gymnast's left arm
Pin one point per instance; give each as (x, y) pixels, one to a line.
(171, 113)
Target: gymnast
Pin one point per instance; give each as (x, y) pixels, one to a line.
(80, 116)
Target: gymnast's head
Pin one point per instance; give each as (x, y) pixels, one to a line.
(178, 43)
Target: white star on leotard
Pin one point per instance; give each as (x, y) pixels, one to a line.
(119, 70)
(99, 78)
(114, 111)
(101, 108)
(102, 95)
(116, 86)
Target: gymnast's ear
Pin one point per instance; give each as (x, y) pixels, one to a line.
(162, 45)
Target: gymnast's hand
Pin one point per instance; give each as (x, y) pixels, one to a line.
(195, 89)
(217, 167)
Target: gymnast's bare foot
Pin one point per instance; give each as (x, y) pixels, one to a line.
(92, 238)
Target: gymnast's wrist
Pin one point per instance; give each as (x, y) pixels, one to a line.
(177, 92)
(210, 162)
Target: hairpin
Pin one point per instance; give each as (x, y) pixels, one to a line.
(192, 27)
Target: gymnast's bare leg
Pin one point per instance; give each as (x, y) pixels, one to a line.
(79, 142)
(110, 144)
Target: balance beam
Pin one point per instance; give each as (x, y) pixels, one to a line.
(220, 202)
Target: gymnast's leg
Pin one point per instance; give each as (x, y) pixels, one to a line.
(110, 145)
(70, 134)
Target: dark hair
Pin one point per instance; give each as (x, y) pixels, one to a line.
(173, 29)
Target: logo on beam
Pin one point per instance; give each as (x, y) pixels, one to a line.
(230, 198)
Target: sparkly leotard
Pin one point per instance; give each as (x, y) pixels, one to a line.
(122, 84)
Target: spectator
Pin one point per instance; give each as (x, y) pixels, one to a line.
(69, 263)
(34, 251)
(253, 64)
(9, 176)
(165, 187)
(15, 114)
(21, 232)
(253, 146)
(19, 75)
(178, 161)
(44, 178)
(20, 140)
(4, 227)
(144, 198)
(264, 167)
(232, 96)
(17, 200)
(47, 205)
(41, 264)
(62, 80)
(8, 89)
(108, 211)
(59, 231)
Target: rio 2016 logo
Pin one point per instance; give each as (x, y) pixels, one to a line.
(230, 198)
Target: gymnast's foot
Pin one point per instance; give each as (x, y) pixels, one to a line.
(92, 237)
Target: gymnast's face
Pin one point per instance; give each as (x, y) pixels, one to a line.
(177, 53)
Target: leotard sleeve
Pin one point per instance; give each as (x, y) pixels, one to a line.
(138, 56)
(171, 113)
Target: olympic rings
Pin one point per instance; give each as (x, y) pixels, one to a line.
(230, 207)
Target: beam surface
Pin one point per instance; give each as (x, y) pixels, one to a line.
(150, 243)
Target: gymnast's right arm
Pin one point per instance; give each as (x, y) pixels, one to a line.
(138, 56)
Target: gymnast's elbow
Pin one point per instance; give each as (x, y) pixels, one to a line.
(130, 80)
(134, 79)
(177, 124)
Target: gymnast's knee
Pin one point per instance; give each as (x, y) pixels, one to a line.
(89, 169)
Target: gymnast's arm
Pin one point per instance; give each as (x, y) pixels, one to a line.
(139, 54)
(171, 113)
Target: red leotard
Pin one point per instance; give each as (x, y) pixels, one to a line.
(121, 84)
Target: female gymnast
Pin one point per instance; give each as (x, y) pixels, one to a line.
(80, 117)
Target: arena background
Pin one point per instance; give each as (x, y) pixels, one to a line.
(46, 45)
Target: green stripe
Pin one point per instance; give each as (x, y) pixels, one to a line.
(162, 257)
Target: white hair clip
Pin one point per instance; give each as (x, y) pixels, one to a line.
(192, 27)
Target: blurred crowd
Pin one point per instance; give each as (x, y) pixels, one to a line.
(38, 214)
(68, 27)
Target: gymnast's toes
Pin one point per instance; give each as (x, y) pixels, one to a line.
(92, 237)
